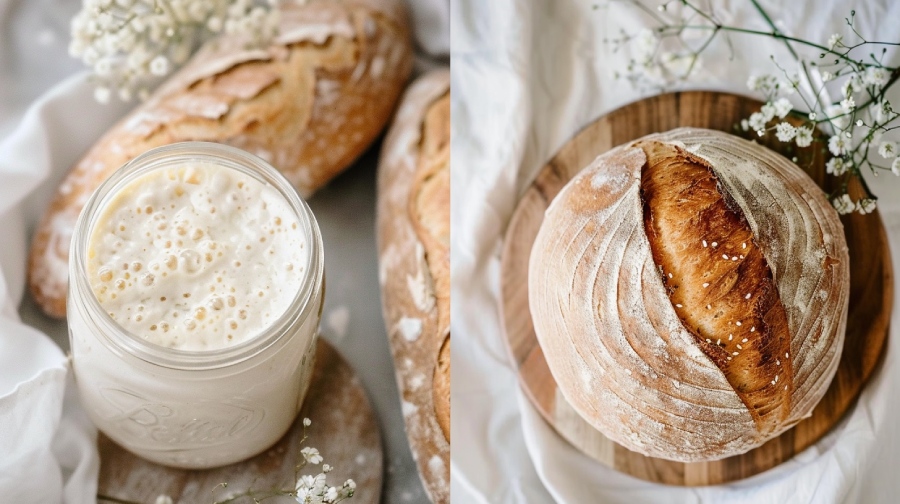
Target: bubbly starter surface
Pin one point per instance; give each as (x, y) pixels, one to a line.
(197, 257)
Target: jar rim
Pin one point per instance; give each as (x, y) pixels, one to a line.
(125, 341)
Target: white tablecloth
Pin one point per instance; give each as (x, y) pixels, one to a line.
(48, 119)
(526, 76)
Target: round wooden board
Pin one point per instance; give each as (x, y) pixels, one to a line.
(871, 293)
(344, 429)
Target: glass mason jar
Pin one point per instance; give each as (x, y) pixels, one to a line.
(193, 409)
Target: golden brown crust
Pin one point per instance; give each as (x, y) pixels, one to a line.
(310, 104)
(442, 388)
(413, 245)
(717, 279)
(430, 215)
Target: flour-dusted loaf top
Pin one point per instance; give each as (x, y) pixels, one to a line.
(414, 260)
(689, 291)
(310, 103)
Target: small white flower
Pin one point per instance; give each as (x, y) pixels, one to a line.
(851, 85)
(835, 41)
(804, 136)
(785, 132)
(757, 121)
(762, 83)
(159, 66)
(307, 422)
(319, 484)
(163, 499)
(865, 206)
(895, 167)
(782, 107)
(827, 76)
(836, 166)
(838, 145)
(843, 204)
(848, 104)
(311, 455)
(326, 468)
(101, 94)
(304, 495)
(306, 481)
(350, 484)
(882, 111)
(331, 494)
(876, 76)
(745, 124)
(768, 111)
(888, 149)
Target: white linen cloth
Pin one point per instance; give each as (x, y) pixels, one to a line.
(48, 448)
(526, 76)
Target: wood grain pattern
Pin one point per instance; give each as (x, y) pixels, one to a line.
(871, 291)
(344, 429)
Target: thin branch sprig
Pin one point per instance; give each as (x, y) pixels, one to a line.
(840, 92)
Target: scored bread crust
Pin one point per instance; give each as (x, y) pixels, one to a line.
(607, 314)
(309, 104)
(413, 229)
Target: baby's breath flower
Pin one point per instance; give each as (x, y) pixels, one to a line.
(848, 104)
(745, 124)
(757, 121)
(804, 136)
(768, 111)
(882, 111)
(159, 66)
(835, 41)
(307, 422)
(130, 44)
(876, 76)
(785, 132)
(311, 455)
(852, 85)
(838, 145)
(887, 149)
(763, 83)
(895, 167)
(782, 107)
(836, 166)
(331, 494)
(326, 468)
(827, 76)
(865, 206)
(843, 204)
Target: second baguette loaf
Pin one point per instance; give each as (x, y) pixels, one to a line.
(310, 104)
(414, 258)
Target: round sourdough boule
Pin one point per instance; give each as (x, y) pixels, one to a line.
(689, 291)
(413, 230)
(309, 104)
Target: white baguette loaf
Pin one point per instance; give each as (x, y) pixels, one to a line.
(414, 259)
(310, 104)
